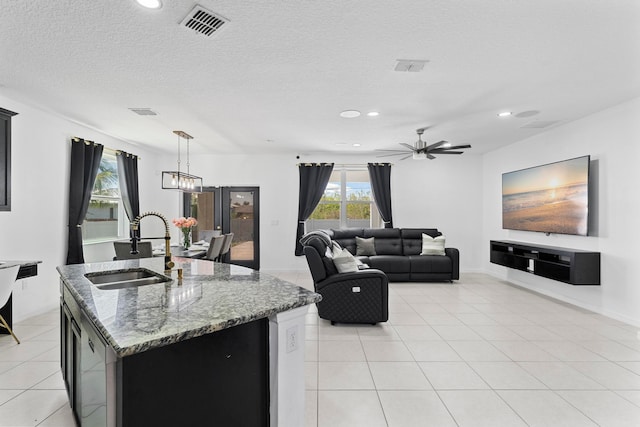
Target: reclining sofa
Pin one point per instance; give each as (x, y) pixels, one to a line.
(350, 297)
(398, 253)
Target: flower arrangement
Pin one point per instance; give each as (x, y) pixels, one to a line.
(185, 224)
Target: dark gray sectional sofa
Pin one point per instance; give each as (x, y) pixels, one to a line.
(398, 253)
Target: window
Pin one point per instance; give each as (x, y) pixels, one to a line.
(347, 202)
(105, 218)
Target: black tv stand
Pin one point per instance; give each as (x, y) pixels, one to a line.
(572, 266)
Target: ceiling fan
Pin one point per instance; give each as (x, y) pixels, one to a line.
(420, 149)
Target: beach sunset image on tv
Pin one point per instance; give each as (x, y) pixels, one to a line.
(552, 198)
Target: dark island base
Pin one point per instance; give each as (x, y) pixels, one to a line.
(216, 379)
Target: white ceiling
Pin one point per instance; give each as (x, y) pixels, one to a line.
(282, 70)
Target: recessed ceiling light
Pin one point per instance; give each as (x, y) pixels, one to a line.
(373, 114)
(150, 4)
(505, 114)
(356, 145)
(350, 114)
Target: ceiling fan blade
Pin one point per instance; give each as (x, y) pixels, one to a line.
(435, 145)
(410, 147)
(458, 147)
(430, 156)
(406, 157)
(390, 151)
(448, 152)
(392, 154)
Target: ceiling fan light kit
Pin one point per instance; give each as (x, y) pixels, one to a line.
(420, 150)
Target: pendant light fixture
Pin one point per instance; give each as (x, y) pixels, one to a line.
(177, 180)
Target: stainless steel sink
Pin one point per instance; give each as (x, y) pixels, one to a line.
(122, 279)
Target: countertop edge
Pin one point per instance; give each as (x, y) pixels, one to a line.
(123, 351)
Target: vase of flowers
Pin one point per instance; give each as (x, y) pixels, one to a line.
(185, 224)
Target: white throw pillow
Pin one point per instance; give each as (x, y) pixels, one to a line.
(432, 246)
(345, 262)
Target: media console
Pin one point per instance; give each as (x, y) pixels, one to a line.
(572, 266)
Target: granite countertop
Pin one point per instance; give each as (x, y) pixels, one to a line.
(212, 297)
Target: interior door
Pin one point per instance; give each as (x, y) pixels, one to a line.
(222, 210)
(241, 216)
(206, 207)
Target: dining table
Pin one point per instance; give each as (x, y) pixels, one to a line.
(194, 251)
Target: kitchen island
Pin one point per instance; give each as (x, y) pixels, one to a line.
(223, 345)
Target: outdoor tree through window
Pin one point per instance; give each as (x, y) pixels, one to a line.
(105, 217)
(347, 202)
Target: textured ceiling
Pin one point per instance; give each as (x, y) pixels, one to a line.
(281, 71)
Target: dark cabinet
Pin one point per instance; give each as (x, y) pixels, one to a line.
(70, 347)
(5, 159)
(572, 266)
(209, 380)
(97, 378)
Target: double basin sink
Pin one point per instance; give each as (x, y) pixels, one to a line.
(123, 279)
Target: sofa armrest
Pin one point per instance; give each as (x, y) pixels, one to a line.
(369, 273)
(358, 297)
(454, 254)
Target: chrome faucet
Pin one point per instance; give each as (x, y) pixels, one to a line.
(168, 264)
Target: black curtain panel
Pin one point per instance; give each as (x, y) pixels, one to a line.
(380, 176)
(314, 178)
(85, 162)
(128, 179)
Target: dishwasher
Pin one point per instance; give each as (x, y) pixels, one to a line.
(97, 379)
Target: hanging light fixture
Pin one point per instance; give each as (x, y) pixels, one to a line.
(177, 180)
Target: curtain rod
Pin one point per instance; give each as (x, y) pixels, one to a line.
(105, 149)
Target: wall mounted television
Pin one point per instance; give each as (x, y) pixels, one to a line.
(551, 198)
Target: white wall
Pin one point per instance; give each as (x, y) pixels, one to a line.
(36, 226)
(459, 195)
(443, 193)
(611, 138)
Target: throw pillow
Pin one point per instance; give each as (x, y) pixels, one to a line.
(345, 262)
(365, 247)
(334, 249)
(432, 246)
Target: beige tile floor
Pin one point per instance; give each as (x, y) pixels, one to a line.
(479, 352)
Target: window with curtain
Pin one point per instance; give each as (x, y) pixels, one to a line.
(347, 202)
(106, 219)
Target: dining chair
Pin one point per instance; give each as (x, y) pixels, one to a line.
(226, 246)
(7, 279)
(206, 235)
(215, 246)
(123, 250)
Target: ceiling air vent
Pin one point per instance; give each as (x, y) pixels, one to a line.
(539, 124)
(204, 21)
(144, 111)
(410, 65)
